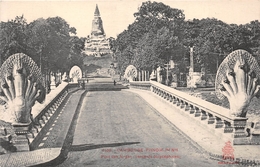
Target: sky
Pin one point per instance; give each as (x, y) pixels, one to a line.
(118, 14)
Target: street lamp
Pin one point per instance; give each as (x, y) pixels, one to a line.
(191, 59)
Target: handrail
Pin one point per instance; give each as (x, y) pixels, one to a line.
(44, 114)
(217, 117)
(50, 98)
(205, 105)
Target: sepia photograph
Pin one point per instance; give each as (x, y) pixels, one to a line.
(130, 83)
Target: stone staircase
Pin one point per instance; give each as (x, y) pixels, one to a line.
(103, 84)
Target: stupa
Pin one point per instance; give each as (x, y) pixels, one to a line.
(96, 43)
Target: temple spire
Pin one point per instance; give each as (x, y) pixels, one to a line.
(97, 44)
(97, 25)
(97, 11)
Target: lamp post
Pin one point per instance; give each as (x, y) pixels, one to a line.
(191, 70)
(191, 59)
(167, 68)
(167, 74)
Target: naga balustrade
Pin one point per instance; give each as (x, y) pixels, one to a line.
(211, 116)
(28, 109)
(44, 114)
(42, 117)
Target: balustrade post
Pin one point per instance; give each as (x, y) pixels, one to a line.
(211, 119)
(187, 107)
(174, 100)
(163, 94)
(168, 97)
(34, 131)
(178, 102)
(227, 127)
(47, 115)
(171, 98)
(204, 115)
(192, 109)
(45, 119)
(182, 104)
(219, 122)
(197, 112)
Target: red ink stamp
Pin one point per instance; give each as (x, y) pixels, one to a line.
(228, 152)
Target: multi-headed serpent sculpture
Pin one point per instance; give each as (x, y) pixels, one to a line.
(130, 72)
(20, 86)
(237, 79)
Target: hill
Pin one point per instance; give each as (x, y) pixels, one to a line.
(93, 64)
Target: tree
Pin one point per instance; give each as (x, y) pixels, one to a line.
(12, 37)
(144, 43)
(75, 56)
(211, 39)
(51, 42)
(40, 34)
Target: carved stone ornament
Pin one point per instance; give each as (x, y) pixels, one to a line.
(75, 74)
(20, 86)
(237, 80)
(130, 72)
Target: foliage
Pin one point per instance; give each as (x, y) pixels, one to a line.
(213, 40)
(159, 33)
(143, 43)
(50, 42)
(12, 37)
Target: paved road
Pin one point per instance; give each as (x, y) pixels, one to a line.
(118, 128)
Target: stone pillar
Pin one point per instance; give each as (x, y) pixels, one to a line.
(21, 142)
(145, 75)
(190, 79)
(239, 133)
(64, 77)
(142, 75)
(139, 75)
(191, 60)
(53, 84)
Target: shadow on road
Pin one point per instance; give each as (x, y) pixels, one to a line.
(84, 147)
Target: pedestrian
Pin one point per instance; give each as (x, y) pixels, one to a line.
(114, 82)
(83, 85)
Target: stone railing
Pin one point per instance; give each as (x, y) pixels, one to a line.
(215, 118)
(145, 85)
(42, 117)
(44, 114)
